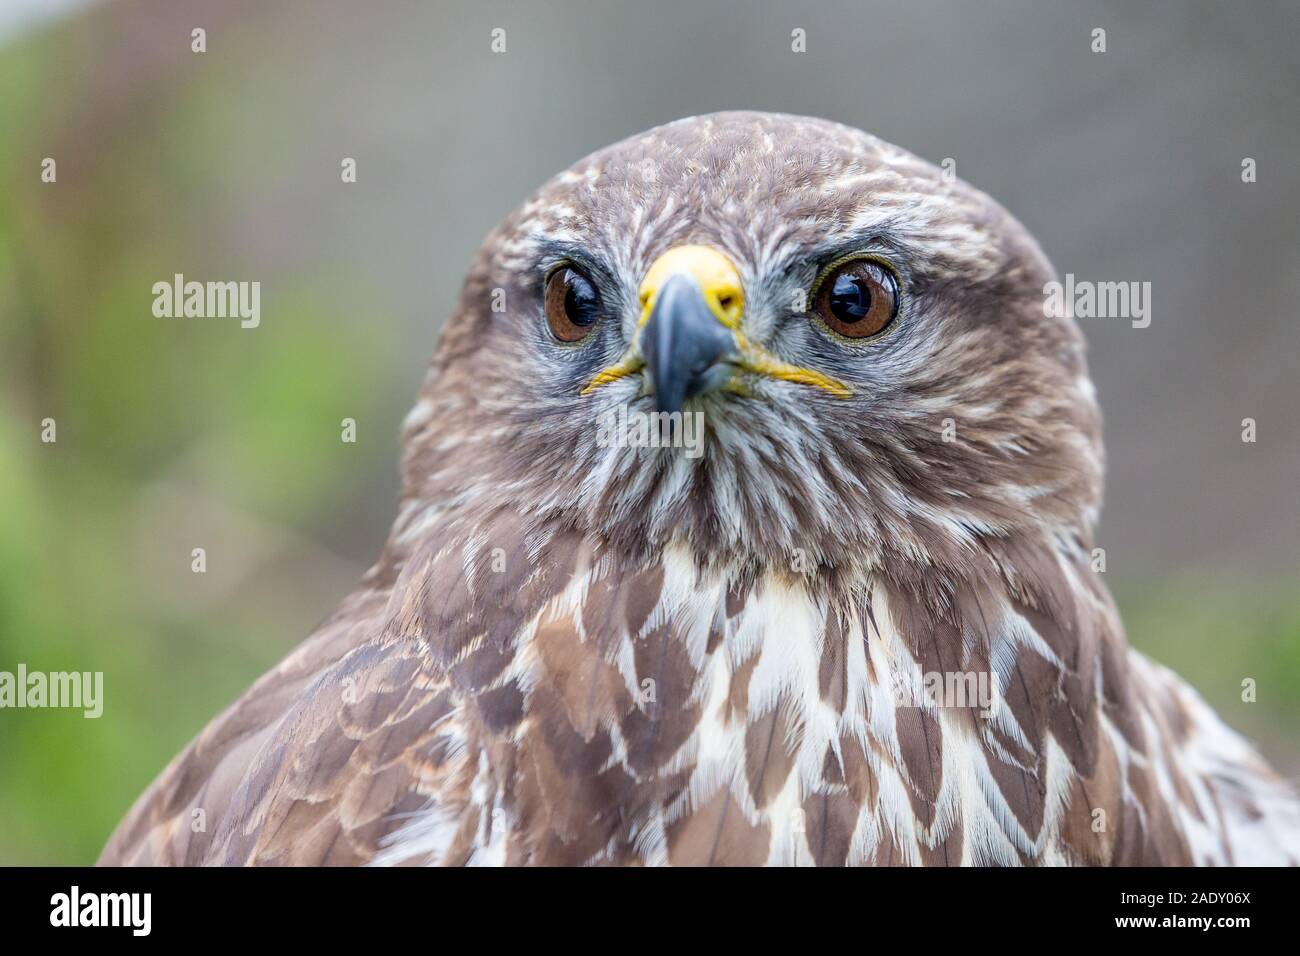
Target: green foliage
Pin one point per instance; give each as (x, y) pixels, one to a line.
(171, 433)
(1218, 632)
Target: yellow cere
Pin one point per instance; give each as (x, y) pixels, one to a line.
(718, 279)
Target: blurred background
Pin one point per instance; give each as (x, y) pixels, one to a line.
(225, 165)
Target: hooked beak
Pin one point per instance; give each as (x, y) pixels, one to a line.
(684, 345)
(689, 340)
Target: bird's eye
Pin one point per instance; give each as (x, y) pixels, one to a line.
(572, 304)
(857, 298)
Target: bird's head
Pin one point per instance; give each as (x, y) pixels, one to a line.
(861, 339)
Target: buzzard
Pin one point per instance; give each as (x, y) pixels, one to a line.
(858, 624)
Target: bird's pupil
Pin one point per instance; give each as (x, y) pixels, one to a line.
(581, 304)
(850, 299)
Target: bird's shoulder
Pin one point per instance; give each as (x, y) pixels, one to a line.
(309, 766)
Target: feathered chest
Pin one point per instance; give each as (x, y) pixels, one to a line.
(668, 716)
(547, 705)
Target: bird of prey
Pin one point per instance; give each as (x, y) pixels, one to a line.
(857, 623)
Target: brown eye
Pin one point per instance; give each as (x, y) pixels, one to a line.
(572, 304)
(858, 299)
